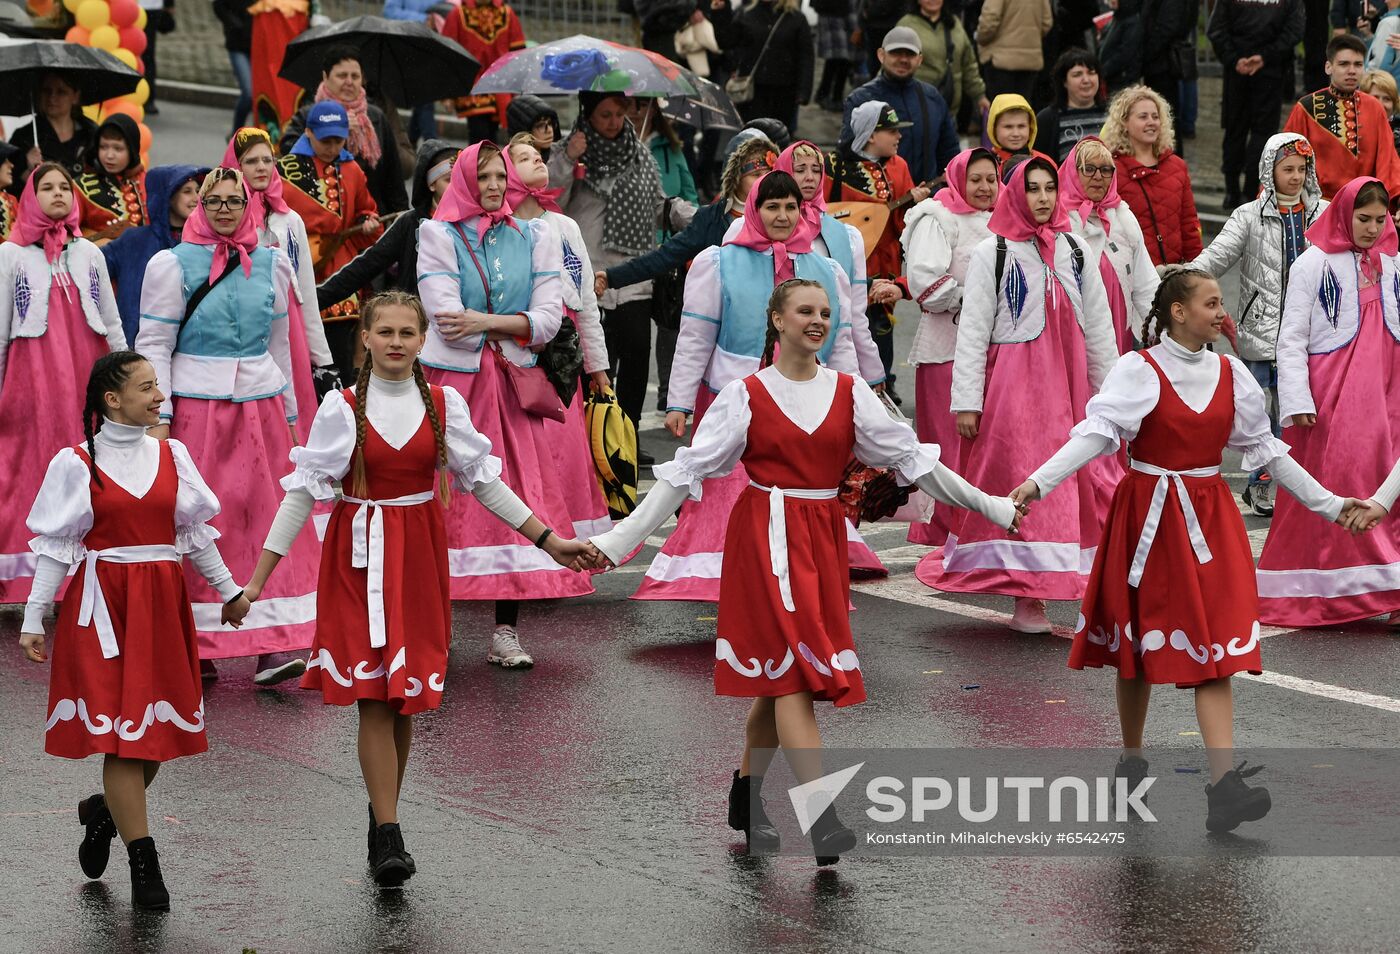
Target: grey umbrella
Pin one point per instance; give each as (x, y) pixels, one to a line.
(403, 60)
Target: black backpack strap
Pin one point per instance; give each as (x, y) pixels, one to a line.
(1077, 256)
(203, 290)
(1001, 260)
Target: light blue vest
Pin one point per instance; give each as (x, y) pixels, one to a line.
(746, 282)
(235, 319)
(506, 256)
(838, 245)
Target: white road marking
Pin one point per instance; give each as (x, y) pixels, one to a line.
(1325, 691)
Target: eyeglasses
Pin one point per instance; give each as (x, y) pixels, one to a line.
(233, 203)
(1098, 172)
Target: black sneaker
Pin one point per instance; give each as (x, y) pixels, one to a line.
(387, 864)
(1231, 801)
(97, 840)
(147, 884)
(412, 868)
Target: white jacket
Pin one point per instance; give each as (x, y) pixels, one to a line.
(987, 318)
(26, 279)
(576, 278)
(1127, 253)
(937, 247)
(287, 231)
(1322, 313)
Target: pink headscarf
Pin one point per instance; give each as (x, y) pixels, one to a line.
(33, 226)
(1012, 218)
(517, 191)
(815, 207)
(269, 200)
(199, 231)
(953, 196)
(752, 235)
(462, 200)
(1072, 189)
(1332, 230)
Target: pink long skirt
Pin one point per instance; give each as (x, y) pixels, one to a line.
(936, 425)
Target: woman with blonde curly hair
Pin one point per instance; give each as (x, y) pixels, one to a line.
(1153, 180)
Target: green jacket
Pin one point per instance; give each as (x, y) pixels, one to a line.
(676, 179)
(967, 78)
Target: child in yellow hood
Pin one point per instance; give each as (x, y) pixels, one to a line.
(1011, 127)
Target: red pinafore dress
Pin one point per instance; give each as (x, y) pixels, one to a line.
(146, 701)
(762, 648)
(1187, 621)
(394, 538)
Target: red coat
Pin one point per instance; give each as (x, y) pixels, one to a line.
(331, 198)
(1160, 196)
(861, 180)
(488, 31)
(1351, 137)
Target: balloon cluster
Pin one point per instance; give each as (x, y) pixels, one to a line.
(119, 27)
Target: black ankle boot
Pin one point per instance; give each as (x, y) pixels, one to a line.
(830, 838)
(412, 868)
(97, 840)
(387, 863)
(1131, 767)
(751, 819)
(1231, 801)
(147, 885)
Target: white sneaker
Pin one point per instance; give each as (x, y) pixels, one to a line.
(1393, 620)
(1030, 616)
(273, 668)
(506, 650)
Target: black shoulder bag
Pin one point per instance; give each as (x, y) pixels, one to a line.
(668, 288)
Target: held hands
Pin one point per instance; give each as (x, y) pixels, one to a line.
(968, 424)
(234, 612)
(1358, 516)
(600, 283)
(456, 325)
(884, 292)
(33, 646)
(577, 555)
(675, 422)
(1304, 420)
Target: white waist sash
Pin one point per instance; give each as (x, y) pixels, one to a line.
(367, 552)
(1154, 514)
(93, 609)
(777, 532)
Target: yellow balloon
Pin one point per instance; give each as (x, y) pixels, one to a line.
(93, 111)
(126, 56)
(72, 5)
(93, 14)
(141, 94)
(141, 20)
(106, 37)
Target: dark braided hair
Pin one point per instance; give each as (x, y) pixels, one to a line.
(109, 373)
(368, 314)
(776, 303)
(1178, 282)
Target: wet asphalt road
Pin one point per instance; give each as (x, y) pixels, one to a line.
(580, 806)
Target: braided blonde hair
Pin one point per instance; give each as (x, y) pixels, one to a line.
(368, 313)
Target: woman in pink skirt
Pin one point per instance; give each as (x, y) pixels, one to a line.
(57, 316)
(939, 236)
(1338, 377)
(1035, 341)
(214, 324)
(530, 198)
(492, 291)
(1097, 214)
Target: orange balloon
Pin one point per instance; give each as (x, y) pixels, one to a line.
(78, 35)
(145, 137)
(125, 107)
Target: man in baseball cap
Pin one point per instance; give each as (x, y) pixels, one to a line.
(902, 39)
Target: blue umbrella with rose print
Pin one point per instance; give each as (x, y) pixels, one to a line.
(584, 63)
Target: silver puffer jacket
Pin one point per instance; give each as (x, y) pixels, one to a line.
(1253, 240)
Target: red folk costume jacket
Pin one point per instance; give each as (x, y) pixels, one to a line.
(488, 31)
(853, 179)
(110, 203)
(1351, 137)
(332, 198)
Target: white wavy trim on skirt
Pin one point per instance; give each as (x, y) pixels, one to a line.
(846, 661)
(128, 730)
(1155, 639)
(323, 660)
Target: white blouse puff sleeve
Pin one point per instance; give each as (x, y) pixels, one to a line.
(469, 456)
(195, 504)
(62, 513)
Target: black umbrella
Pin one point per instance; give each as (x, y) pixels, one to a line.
(710, 108)
(98, 74)
(403, 60)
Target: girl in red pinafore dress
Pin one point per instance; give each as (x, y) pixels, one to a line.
(1171, 598)
(383, 611)
(125, 680)
(784, 635)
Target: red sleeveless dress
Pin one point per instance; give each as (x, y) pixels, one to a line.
(146, 702)
(762, 649)
(1186, 622)
(409, 669)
